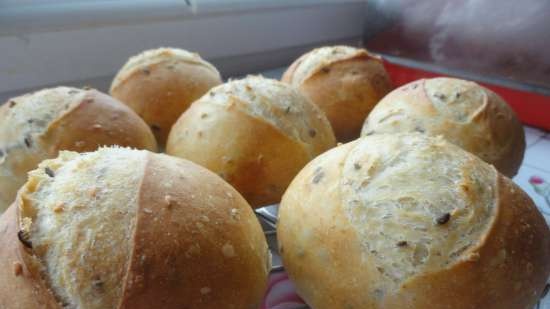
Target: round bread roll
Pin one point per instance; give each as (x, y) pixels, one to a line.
(160, 84)
(256, 133)
(129, 229)
(35, 126)
(465, 113)
(345, 82)
(412, 222)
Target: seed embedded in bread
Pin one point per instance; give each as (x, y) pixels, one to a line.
(443, 219)
(49, 171)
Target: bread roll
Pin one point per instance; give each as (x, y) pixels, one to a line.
(256, 133)
(129, 229)
(160, 84)
(345, 82)
(465, 113)
(411, 222)
(35, 126)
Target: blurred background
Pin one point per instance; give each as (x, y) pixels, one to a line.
(79, 42)
(84, 42)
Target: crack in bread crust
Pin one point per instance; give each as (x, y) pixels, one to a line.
(444, 205)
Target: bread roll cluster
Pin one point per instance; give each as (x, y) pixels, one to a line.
(417, 213)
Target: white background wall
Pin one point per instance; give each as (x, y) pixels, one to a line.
(86, 42)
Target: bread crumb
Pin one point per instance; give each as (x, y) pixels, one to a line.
(59, 207)
(93, 192)
(228, 250)
(168, 200)
(205, 290)
(205, 218)
(193, 250)
(17, 269)
(168, 184)
(147, 211)
(473, 257)
(96, 126)
(235, 214)
(227, 160)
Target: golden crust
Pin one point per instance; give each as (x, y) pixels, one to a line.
(259, 166)
(97, 121)
(325, 254)
(345, 86)
(466, 114)
(195, 242)
(310, 217)
(255, 142)
(159, 85)
(213, 254)
(38, 125)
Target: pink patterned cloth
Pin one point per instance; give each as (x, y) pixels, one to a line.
(281, 293)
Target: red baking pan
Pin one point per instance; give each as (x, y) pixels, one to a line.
(503, 45)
